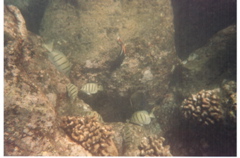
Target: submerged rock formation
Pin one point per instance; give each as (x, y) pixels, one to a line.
(32, 88)
(128, 48)
(96, 32)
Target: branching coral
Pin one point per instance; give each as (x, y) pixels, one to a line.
(203, 107)
(91, 134)
(153, 146)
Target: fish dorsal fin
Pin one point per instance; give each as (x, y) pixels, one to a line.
(49, 46)
(151, 114)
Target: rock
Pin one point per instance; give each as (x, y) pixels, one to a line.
(196, 22)
(32, 11)
(208, 66)
(31, 96)
(146, 32)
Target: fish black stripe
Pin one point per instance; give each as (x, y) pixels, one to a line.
(146, 118)
(71, 90)
(92, 87)
(87, 88)
(55, 56)
(57, 59)
(70, 86)
(75, 92)
(63, 63)
(68, 66)
(135, 118)
(142, 117)
(128, 135)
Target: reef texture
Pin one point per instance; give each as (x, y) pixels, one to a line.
(203, 107)
(132, 135)
(153, 146)
(196, 24)
(32, 89)
(208, 116)
(208, 66)
(91, 134)
(94, 33)
(146, 74)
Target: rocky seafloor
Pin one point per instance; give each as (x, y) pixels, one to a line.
(128, 47)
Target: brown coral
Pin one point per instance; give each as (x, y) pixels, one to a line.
(233, 106)
(91, 134)
(153, 146)
(203, 107)
(230, 99)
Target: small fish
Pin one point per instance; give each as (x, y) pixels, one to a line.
(95, 114)
(58, 59)
(123, 46)
(72, 91)
(141, 117)
(91, 88)
(128, 137)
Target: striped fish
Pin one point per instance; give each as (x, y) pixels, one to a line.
(72, 91)
(58, 59)
(128, 137)
(95, 114)
(141, 117)
(91, 88)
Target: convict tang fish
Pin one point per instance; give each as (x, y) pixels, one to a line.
(58, 59)
(72, 91)
(91, 88)
(141, 117)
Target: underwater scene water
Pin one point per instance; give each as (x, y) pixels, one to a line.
(120, 78)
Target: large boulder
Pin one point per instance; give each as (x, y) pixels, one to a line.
(127, 46)
(32, 88)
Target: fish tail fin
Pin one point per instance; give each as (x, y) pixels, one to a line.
(49, 46)
(100, 88)
(151, 115)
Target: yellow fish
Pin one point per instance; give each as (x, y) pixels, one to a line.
(141, 117)
(72, 91)
(58, 59)
(91, 88)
